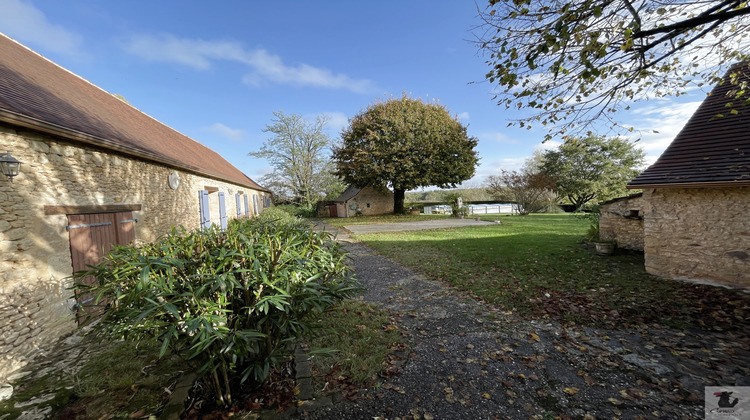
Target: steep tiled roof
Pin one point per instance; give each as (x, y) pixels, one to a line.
(38, 94)
(713, 149)
(348, 194)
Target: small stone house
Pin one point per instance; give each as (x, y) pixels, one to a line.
(364, 201)
(621, 219)
(95, 172)
(696, 196)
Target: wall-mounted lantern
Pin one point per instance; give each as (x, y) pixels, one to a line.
(9, 165)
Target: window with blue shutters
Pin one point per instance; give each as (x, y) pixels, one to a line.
(239, 206)
(256, 210)
(222, 211)
(247, 207)
(205, 213)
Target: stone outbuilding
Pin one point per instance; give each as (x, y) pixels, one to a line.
(363, 201)
(95, 172)
(696, 196)
(621, 219)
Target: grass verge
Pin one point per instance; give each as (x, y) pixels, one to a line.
(364, 339)
(123, 380)
(537, 266)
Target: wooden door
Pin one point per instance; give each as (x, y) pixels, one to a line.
(91, 237)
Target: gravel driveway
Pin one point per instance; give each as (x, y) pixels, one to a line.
(427, 224)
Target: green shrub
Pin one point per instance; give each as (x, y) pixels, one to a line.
(299, 211)
(592, 215)
(229, 302)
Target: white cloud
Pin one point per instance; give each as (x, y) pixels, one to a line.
(463, 116)
(336, 121)
(547, 145)
(222, 130)
(660, 124)
(266, 67)
(494, 167)
(26, 23)
(497, 137)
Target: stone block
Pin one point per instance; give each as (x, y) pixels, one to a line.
(8, 246)
(39, 146)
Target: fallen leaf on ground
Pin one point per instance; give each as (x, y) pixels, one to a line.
(570, 391)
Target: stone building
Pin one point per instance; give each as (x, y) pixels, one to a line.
(365, 201)
(696, 196)
(95, 171)
(621, 219)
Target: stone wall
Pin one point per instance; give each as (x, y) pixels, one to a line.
(622, 220)
(35, 303)
(371, 201)
(322, 208)
(698, 234)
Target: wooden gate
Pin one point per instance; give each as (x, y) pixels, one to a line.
(91, 237)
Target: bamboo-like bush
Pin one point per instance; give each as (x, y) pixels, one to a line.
(229, 302)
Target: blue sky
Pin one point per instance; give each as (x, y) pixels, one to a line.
(215, 71)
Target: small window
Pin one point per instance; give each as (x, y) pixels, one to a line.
(634, 214)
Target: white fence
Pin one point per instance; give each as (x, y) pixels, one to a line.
(503, 208)
(499, 208)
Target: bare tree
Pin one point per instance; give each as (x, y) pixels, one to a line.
(299, 153)
(532, 191)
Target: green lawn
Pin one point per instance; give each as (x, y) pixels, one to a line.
(537, 266)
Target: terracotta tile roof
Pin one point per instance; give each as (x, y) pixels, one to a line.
(38, 94)
(710, 150)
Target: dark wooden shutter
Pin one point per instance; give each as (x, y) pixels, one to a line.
(205, 212)
(222, 211)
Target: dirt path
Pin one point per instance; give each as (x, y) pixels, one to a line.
(470, 360)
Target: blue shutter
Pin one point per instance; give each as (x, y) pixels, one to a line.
(205, 213)
(239, 207)
(255, 204)
(222, 211)
(247, 207)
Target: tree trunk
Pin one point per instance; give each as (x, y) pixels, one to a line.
(398, 201)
